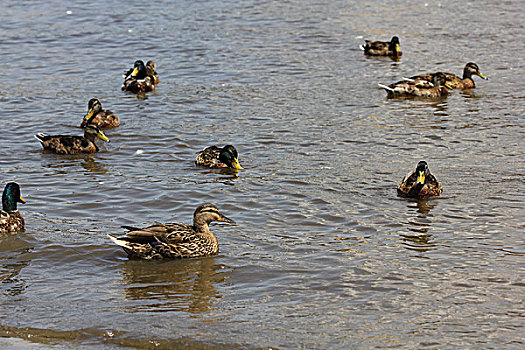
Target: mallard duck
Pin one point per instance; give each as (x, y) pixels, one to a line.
(453, 80)
(174, 240)
(419, 183)
(138, 79)
(102, 117)
(382, 48)
(151, 70)
(436, 87)
(215, 157)
(10, 218)
(65, 144)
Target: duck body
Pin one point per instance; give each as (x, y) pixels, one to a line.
(174, 240)
(435, 87)
(66, 144)
(456, 82)
(382, 48)
(102, 117)
(419, 183)
(140, 78)
(137, 86)
(10, 218)
(215, 157)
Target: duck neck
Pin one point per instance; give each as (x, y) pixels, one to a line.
(201, 225)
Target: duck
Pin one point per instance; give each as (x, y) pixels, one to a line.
(174, 240)
(215, 157)
(151, 70)
(454, 81)
(138, 80)
(65, 144)
(382, 48)
(437, 86)
(104, 118)
(10, 218)
(419, 183)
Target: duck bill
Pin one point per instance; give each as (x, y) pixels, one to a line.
(448, 86)
(225, 219)
(421, 178)
(102, 136)
(482, 76)
(89, 114)
(236, 164)
(135, 72)
(21, 200)
(396, 48)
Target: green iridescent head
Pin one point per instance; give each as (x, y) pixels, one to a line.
(11, 196)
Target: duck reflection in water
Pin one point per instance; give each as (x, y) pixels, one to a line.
(173, 285)
(90, 164)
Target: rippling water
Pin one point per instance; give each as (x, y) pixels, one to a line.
(324, 254)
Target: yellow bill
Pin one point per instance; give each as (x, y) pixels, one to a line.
(135, 71)
(101, 136)
(236, 164)
(22, 199)
(421, 177)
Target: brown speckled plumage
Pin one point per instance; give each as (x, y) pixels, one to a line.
(174, 240)
(136, 85)
(418, 88)
(410, 187)
(65, 144)
(101, 117)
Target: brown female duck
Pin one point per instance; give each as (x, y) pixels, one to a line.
(10, 218)
(174, 240)
(215, 157)
(419, 183)
(65, 144)
(382, 48)
(101, 117)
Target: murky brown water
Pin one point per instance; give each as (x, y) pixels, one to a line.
(324, 256)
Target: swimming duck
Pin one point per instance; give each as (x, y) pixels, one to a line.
(456, 82)
(419, 183)
(215, 157)
(382, 48)
(138, 79)
(102, 117)
(436, 87)
(174, 240)
(151, 70)
(65, 144)
(10, 218)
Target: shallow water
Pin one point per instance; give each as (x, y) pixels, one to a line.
(324, 255)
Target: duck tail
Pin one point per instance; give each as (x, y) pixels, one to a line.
(362, 47)
(40, 136)
(119, 242)
(387, 88)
